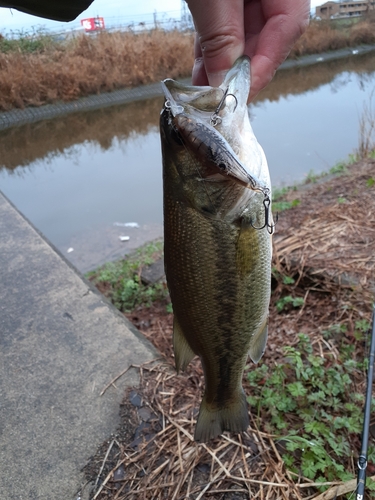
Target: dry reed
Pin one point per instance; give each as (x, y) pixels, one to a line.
(86, 65)
(323, 36)
(367, 129)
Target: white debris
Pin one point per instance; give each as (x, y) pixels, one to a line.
(355, 51)
(320, 58)
(70, 250)
(124, 238)
(126, 224)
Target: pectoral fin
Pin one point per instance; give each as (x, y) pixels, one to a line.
(182, 351)
(258, 342)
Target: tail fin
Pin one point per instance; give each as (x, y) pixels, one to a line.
(214, 421)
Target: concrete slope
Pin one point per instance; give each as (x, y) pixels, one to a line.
(61, 343)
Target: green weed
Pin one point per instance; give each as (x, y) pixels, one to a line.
(121, 283)
(312, 404)
(36, 41)
(287, 280)
(288, 300)
(280, 206)
(339, 168)
(311, 177)
(278, 193)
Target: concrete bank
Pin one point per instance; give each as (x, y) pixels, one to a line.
(17, 117)
(61, 343)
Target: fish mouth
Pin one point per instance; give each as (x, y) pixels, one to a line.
(237, 81)
(233, 92)
(211, 113)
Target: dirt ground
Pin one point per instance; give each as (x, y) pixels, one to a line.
(326, 243)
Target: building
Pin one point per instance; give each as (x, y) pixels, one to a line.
(344, 9)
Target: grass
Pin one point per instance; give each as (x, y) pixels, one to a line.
(121, 281)
(278, 202)
(312, 404)
(338, 169)
(281, 196)
(36, 69)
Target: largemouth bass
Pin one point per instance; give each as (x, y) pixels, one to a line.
(217, 237)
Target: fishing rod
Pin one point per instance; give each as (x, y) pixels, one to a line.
(362, 460)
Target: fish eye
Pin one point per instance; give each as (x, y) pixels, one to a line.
(222, 166)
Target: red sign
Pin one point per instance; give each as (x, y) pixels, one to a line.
(93, 23)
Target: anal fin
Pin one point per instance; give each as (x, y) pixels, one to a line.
(182, 351)
(258, 342)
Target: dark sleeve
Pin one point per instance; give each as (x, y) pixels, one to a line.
(58, 10)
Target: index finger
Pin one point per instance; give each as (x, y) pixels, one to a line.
(220, 38)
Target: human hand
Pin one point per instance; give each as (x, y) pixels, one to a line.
(264, 30)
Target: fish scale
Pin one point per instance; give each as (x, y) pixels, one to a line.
(218, 267)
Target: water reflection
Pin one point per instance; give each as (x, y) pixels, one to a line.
(308, 78)
(73, 177)
(49, 139)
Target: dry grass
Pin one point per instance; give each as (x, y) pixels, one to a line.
(323, 36)
(88, 65)
(367, 129)
(343, 229)
(165, 462)
(33, 73)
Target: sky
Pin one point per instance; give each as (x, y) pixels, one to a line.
(113, 11)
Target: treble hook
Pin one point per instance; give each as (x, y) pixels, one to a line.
(266, 204)
(215, 118)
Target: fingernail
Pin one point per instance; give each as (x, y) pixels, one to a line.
(216, 79)
(254, 81)
(199, 73)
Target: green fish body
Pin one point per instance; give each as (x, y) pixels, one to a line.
(218, 265)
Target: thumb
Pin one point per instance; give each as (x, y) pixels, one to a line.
(220, 38)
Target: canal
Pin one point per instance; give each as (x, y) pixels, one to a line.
(80, 179)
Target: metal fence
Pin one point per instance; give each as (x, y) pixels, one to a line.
(179, 19)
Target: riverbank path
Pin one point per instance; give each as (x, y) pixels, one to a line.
(61, 344)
